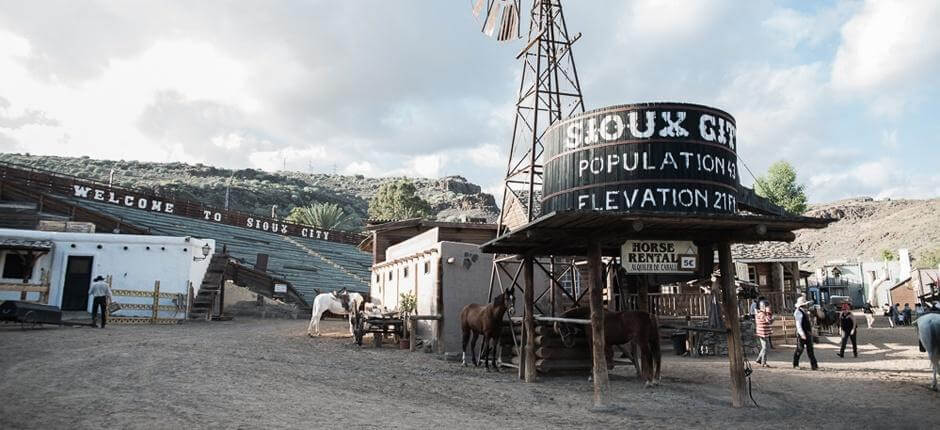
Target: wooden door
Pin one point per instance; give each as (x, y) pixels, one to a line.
(77, 282)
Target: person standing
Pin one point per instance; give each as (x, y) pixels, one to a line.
(762, 325)
(101, 292)
(907, 314)
(804, 333)
(918, 310)
(847, 323)
(892, 314)
(869, 314)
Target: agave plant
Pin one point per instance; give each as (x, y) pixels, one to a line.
(330, 216)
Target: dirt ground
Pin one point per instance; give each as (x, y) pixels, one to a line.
(269, 374)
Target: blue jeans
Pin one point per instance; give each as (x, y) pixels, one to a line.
(762, 357)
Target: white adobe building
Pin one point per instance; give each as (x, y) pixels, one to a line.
(69, 261)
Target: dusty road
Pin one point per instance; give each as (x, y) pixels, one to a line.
(268, 374)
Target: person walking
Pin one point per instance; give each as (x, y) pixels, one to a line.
(907, 313)
(869, 314)
(847, 323)
(804, 333)
(101, 292)
(762, 325)
(892, 314)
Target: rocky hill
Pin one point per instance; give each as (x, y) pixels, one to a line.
(256, 191)
(866, 227)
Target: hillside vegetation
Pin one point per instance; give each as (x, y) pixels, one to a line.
(866, 227)
(256, 191)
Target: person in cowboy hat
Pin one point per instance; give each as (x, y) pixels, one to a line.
(847, 322)
(804, 333)
(101, 292)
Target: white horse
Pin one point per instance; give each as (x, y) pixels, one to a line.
(333, 303)
(928, 330)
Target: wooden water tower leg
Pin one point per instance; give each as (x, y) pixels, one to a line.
(735, 347)
(601, 382)
(529, 319)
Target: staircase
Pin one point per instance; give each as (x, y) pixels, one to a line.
(210, 290)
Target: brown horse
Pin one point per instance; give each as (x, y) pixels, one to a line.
(486, 320)
(638, 328)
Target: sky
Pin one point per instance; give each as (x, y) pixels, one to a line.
(846, 91)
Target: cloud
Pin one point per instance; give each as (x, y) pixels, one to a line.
(880, 178)
(887, 48)
(388, 88)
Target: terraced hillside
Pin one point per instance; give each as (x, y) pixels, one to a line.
(257, 191)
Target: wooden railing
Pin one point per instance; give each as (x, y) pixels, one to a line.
(153, 306)
(696, 305)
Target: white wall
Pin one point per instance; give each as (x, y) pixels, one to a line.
(168, 259)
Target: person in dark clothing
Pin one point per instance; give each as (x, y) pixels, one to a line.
(804, 334)
(907, 314)
(847, 322)
(101, 292)
(892, 315)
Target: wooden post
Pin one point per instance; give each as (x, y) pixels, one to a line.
(156, 302)
(611, 272)
(412, 329)
(601, 382)
(735, 348)
(642, 294)
(529, 319)
(107, 312)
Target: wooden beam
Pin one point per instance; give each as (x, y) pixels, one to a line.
(601, 382)
(735, 347)
(529, 319)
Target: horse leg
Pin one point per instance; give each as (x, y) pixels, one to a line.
(936, 369)
(657, 358)
(635, 357)
(647, 363)
(609, 355)
(485, 351)
(463, 343)
(314, 328)
(473, 349)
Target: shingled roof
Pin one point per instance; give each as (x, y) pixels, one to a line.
(25, 244)
(768, 252)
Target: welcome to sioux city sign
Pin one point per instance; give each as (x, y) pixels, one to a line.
(672, 157)
(128, 199)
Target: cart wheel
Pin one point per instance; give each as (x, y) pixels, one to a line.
(29, 320)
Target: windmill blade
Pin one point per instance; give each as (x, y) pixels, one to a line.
(510, 23)
(502, 18)
(478, 7)
(490, 25)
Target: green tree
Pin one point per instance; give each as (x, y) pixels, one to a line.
(396, 201)
(780, 187)
(329, 216)
(929, 259)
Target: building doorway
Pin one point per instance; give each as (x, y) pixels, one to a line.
(77, 282)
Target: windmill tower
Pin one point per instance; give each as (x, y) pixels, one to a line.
(549, 92)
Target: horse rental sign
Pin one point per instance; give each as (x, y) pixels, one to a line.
(659, 256)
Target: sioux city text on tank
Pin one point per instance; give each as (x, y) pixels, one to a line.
(670, 157)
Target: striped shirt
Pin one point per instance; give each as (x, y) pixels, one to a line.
(762, 326)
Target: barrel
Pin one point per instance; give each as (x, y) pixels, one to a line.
(661, 157)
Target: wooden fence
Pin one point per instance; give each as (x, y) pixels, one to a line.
(155, 306)
(696, 305)
(42, 288)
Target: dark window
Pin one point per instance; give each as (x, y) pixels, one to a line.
(405, 273)
(427, 267)
(377, 279)
(390, 273)
(13, 267)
